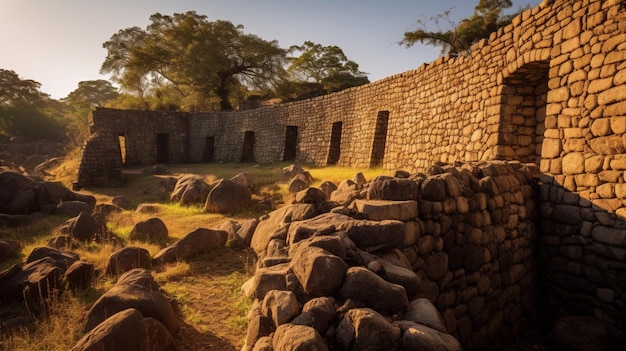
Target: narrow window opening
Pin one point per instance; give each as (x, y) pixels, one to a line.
(122, 141)
(291, 143)
(247, 154)
(163, 140)
(334, 151)
(380, 139)
(209, 149)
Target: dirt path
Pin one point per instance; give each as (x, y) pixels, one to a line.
(210, 300)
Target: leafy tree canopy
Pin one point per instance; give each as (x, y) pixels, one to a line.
(316, 70)
(487, 18)
(198, 59)
(26, 111)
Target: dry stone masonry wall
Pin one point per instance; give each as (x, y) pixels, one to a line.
(550, 88)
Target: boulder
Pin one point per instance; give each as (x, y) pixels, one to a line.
(265, 280)
(276, 224)
(359, 179)
(325, 223)
(365, 329)
(327, 187)
(128, 294)
(62, 260)
(113, 334)
(291, 171)
(319, 272)
(244, 179)
(374, 235)
(291, 337)
(150, 230)
(228, 197)
(122, 202)
(31, 283)
(148, 208)
(422, 311)
(82, 227)
(126, 259)
(280, 306)
(389, 188)
(79, 275)
(190, 189)
(192, 244)
(259, 327)
(378, 210)
(61, 242)
(297, 184)
(363, 285)
(72, 208)
(317, 313)
(244, 235)
(416, 336)
(346, 192)
(310, 196)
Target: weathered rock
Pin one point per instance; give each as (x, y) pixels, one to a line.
(275, 226)
(194, 243)
(319, 272)
(82, 227)
(416, 336)
(61, 242)
(263, 344)
(122, 202)
(126, 259)
(62, 260)
(190, 189)
(259, 327)
(324, 223)
(374, 235)
(422, 311)
(79, 275)
(150, 230)
(291, 171)
(280, 306)
(363, 285)
(266, 279)
(579, 333)
(297, 184)
(36, 280)
(245, 179)
(244, 234)
(227, 197)
(124, 295)
(327, 187)
(310, 196)
(317, 313)
(402, 276)
(359, 179)
(290, 337)
(148, 208)
(73, 208)
(434, 188)
(346, 192)
(365, 329)
(388, 188)
(127, 330)
(378, 210)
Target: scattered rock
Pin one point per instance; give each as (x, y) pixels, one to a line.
(291, 337)
(128, 258)
(194, 243)
(363, 285)
(127, 330)
(190, 190)
(150, 230)
(73, 208)
(228, 197)
(365, 329)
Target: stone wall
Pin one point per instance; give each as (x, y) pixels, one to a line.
(473, 245)
(549, 88)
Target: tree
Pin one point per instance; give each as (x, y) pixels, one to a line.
(84, 99)
(325, 67)
(26, 111)
(197, 58)
(487, 18)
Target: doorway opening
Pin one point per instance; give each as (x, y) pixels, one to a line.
(163, 141)
(380, 139)
(291, 143)
(247, 154)
(209, 149)
(122, 141)
(523, 113)
(334, 150)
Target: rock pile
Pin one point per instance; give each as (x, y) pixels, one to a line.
(458, 239)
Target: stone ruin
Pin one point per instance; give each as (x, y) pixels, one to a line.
(548, 89)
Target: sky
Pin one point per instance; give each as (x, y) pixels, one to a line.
(58, 43)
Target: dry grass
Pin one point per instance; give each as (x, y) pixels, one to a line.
(206, 288)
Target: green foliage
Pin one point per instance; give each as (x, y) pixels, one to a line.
(198, 59)
(89, 95)
(487, 18)
(27, 112)
(318, 70)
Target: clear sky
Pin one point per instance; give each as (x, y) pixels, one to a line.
(58, 43)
